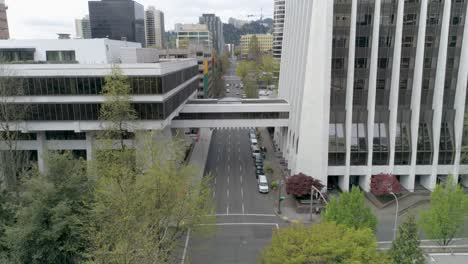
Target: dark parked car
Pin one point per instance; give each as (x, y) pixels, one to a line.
(259, 171)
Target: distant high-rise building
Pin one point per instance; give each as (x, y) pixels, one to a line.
(4, 33)
(83, 27)
(215, 26)
(154, 27)
(278, 24)
(237, 22)
(117, 19)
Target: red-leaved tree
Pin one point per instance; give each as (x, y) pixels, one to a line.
(383, 184)
(299, 185)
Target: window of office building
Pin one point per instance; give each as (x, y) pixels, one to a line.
(60, 55)
(16, 55)
(362, 42)
(380, 141)
(359, 149)
(403, 138)
(424, 155)
(337, 139)
(358, 144)
(361, 63)
(446, 143)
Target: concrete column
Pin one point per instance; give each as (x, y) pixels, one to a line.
(416, 89)
(350, 92)
(438, 99)
(460, 96)
(41, 151)
(89, 145)
(312, 157)
(394, 88)
(372, 92)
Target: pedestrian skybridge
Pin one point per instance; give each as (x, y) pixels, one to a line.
(233, 112)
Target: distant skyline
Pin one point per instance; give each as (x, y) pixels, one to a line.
(44, 19)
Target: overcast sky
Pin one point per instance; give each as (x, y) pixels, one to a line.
(45, 18)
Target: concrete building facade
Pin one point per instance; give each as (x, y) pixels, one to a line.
(204, 58)
(62, 98)
(154, 28)
(265, 43)
(83, 27)
(194, 35)
(376, 87)
(215, 26)
(278, 25)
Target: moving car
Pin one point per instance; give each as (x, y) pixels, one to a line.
(262, 184)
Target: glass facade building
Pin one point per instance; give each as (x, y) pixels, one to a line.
(118, 20)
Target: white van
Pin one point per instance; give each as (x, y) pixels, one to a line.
(262, 184)
(253, 142)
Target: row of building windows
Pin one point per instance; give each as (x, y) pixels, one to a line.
(94, 85)
(220, 116)
(144, 111)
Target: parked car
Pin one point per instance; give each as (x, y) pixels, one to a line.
(253, 142)
(259, 171)
(252, 135)
(263, 184)
(258, 161)
(255, 150)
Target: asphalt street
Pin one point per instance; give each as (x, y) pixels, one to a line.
(244, 217)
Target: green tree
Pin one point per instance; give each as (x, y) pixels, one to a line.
(117, 111)
(142, 212)
(245, 67)
(269, 68)
(445, 217)
(250, 88)
(405, 248)
(322, 243)
(350, 210)
(7, 217)
(13, 161)
(51, 225)
(254, 50)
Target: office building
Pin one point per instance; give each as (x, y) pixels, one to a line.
(205, 62)
(117, 20)
(278, 25)
(178, 27)
(83, 28)
(154, 28)
(376, 87)
(265, 43)
(61, 82)
(4, 31)
(215, 26)
(194, 35)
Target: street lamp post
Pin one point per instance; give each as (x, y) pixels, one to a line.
(312, 189)
(396, 216)
(279, 196)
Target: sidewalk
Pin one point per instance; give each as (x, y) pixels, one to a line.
(199, 154)
(288, 205)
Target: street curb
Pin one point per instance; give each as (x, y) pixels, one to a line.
(290, 220)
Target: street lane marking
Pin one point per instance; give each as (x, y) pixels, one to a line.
(227, 193)
(185, 247)
(240, 167)
(243, 211)
(241, 180)
(215, 179)
(227, 210)
(228, 179)
(214, 194)
(233, 224)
